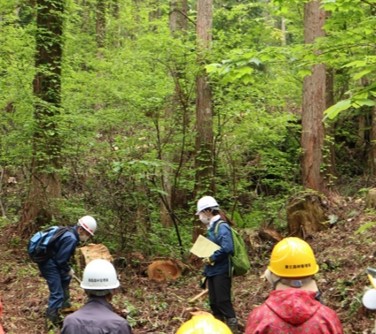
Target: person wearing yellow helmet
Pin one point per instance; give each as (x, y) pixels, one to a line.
(293, 306)
(203, 324)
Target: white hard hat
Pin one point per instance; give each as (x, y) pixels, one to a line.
(88, 223)
(205, 203)
(369, 299)
(100, 274)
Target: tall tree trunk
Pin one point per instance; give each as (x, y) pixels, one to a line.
(331, 158)
(372, 155)
(115, 9)
(204, 180)
(204, 112)
(313, 103)
(283, 32)
(44, 182)
(178, 16)
(155, 12)
(178, 25)
(100, 23)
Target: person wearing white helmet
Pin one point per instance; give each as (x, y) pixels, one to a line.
(217, 272)
(57, 271)
(97, 316)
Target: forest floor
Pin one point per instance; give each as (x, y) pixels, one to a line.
(343, 254)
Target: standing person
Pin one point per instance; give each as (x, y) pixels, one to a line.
(57, 271)
(97, 316)
(218, 272)
(293, 306)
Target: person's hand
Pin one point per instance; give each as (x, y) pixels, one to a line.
(203, 283)
(71, 273)
(208, 261)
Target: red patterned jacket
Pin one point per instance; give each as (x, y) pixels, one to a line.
(293, 311)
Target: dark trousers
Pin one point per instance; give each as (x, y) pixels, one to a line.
(220, 297)
(58, 284)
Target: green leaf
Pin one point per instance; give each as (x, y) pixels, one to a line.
(365, 227)
(364, 102)
(334, 110)
(357, 63)
(212, 68)
(361, 74)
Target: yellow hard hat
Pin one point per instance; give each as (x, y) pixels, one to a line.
(203, 324)
(293, 257)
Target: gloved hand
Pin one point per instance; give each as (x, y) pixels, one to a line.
(203, 283)
(208, 260)
(71, 273)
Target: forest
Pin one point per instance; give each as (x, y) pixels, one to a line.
(131, 110)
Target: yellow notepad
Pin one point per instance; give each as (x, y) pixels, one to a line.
(203, 247)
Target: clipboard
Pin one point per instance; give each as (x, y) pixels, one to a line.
(203, 247)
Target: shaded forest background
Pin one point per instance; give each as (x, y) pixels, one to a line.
(131, 110)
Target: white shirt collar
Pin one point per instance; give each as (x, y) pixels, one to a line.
(213, 220)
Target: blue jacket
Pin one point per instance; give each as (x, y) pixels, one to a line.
(221, 257)
(64, 248)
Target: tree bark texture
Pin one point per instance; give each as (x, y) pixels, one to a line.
(314, 98)
(306, 215)
(44, 183)
(204, 166)
(330, 160)
(372, 155)
(178, 16)
(204, 112)
(101, 23)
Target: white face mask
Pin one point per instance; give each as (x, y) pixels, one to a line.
(271, 278)
(84, 237)
(204, 219)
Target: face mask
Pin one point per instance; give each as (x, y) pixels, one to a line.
(84, 237)
(204, 219)
(271, 278)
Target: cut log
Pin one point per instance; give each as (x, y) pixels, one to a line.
(91, 252)
(164, 270)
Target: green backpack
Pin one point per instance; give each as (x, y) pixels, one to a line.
(240, 261)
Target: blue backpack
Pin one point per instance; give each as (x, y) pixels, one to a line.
(40, 244)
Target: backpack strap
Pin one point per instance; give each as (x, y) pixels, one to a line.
(59, 232)
(221, 221)
(217, 226)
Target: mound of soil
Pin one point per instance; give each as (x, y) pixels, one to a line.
(343, 253)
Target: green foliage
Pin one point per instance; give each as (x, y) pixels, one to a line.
(163, 242)
(349, 47)
(265, 211)
(127, 121)
(365, 227)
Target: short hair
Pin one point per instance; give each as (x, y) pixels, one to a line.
(98, 293)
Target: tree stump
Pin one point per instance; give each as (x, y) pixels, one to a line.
(306, 215)
(371, 199)
(164, 270)
(91, 252)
